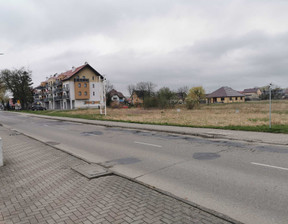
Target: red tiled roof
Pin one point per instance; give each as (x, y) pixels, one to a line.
(224, 91)
(70, 73)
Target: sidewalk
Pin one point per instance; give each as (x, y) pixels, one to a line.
(261, 137)
(39, 186)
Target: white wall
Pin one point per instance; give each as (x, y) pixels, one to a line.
(98, 90)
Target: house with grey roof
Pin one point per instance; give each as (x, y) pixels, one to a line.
(225, 94)
(252, 94)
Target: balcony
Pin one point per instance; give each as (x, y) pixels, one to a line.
(66, 89)
(65, 97)
(81, 80)
(57, 98)
(57, 83)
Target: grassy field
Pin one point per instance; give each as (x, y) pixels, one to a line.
(250, 116)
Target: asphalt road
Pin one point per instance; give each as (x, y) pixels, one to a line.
(246, 181)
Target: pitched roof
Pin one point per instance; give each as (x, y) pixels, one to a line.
(70, 73)
(254, 90)
(114, 92)
(224, 91)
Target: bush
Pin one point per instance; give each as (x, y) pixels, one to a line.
(150, 102)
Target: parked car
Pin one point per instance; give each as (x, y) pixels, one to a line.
(38, 106)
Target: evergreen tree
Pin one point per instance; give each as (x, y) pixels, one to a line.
(19, 82)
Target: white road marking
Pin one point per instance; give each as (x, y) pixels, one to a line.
(275, 167)
(143, 143)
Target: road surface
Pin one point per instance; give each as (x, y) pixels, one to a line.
(246, 181)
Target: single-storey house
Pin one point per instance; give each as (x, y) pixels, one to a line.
(225, 94)
(116, 96)
(252, 94)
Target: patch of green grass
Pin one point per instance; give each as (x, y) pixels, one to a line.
(260, 128)
(258, 119)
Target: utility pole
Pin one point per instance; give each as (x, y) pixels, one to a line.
(105, 112)
(270, 105)
(104, 97)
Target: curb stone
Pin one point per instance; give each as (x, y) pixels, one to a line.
(190, 203)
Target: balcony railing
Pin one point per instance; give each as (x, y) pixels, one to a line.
(57, 83)
(57, 98)
(81, 80)
(66, 89)
(65, 97)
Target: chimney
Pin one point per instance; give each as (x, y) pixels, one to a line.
(86, 63)
(73, 68)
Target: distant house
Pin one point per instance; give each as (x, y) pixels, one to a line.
(225, 95)
(252, 94)
(137, 97)
(116, 96)
(285, 96)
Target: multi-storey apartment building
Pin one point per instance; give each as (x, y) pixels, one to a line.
(80, 87)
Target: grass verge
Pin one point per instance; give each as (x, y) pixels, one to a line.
(276, 128)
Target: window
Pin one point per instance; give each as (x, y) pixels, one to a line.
(79, 93)
(85, 85)
(93, 77)
(230, 98)
(83, 77)
(222, 99)
(85, 93)
(93, 93)
(93, 85)
(79, 85)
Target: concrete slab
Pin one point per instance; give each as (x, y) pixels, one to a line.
(91, 170)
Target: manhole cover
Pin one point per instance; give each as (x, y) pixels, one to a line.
(205, 155)
(91, 170)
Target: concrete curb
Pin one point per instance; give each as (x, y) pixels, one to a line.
(198, 132)
(190, 203)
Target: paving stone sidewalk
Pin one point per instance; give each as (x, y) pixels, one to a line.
(37, 185)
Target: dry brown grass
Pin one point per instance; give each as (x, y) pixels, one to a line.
(238, 114)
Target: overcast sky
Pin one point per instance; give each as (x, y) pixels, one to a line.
(213, 43)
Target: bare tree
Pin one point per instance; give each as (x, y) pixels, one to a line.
(131, 88)
(147, 88)
(109, 86)
(182, 92)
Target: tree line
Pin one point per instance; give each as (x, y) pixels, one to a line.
(165, 97)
